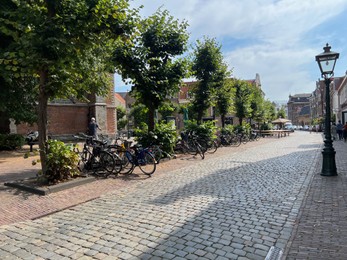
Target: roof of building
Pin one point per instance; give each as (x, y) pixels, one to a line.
(299, 98)
(119, 97)
(122, 94)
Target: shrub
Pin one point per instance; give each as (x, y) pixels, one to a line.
(206, 130)
(164, 134)
(244, 128)
(11, 141)
(61, 162)
(228, 130)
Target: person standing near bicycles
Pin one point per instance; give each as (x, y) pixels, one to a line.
(93, 128)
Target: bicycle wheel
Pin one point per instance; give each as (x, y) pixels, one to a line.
(146, 162)
(118, 164)
(156, 152)
(179, 147)
(192, 147)
(235, 141)
(107, 162)
(212, 147)
(127, 162)
(200, 150)
(84, 164)
(203, 145)
(245, 139)
(257, 137)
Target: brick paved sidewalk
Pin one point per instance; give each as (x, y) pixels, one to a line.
(321, 231)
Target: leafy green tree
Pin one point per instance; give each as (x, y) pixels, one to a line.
(15, 89)
(243, 99)
(269, 111)
(149, 62)
(167, 109)
(281, 113)
(121, 119)
(139, 113)
(207, 68)
(257, 105)
(65, 46)
(224, 94)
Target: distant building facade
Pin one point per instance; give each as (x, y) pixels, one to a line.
(299, 109)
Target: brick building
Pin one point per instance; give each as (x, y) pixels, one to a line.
(183, 97)
(67, 117)
(299, 109)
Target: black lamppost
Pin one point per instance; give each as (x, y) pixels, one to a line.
(326, 62)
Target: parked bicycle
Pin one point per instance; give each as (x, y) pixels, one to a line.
(93, 158)
(254, 135)
(138, 156)
(229, 139)
(188, 143)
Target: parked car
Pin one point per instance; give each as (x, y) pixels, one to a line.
(289, 126)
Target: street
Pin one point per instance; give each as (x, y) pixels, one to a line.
(236, 206)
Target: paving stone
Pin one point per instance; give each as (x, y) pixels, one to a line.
(236, 205)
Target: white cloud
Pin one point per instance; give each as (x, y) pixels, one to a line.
(269, 37)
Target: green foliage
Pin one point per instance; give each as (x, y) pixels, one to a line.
(121, 123)
(164, 134)
(209, 69)
(243, 95)
(224, 98)
(121, 112)
(121, 120)
(206, 130)
(167, 109)
(281, 113)
(139, 113)
(11, 141)
(61, 162)
(269, 111)
(148, 61)
(228, 130)
(257, 104)
(60, 49)
(266, 126)
(244, 128)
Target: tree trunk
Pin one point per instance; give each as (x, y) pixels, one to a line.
(151, 112)
(42, 118)
(223, 120)
(199, 119)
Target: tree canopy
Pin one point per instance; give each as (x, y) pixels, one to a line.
(150, 61)
(209, 69)
(65, 47)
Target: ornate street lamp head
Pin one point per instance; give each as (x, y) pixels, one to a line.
(326, 61)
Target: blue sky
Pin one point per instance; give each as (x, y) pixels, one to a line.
(278, 39)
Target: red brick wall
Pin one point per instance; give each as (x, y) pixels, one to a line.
(67, 119)
(62, 120)
(23, 129)
(111, 120)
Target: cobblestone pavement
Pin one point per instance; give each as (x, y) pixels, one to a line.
(321, 231)
(235, 206)
(17, 205)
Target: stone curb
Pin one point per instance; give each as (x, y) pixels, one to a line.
(23, 185)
